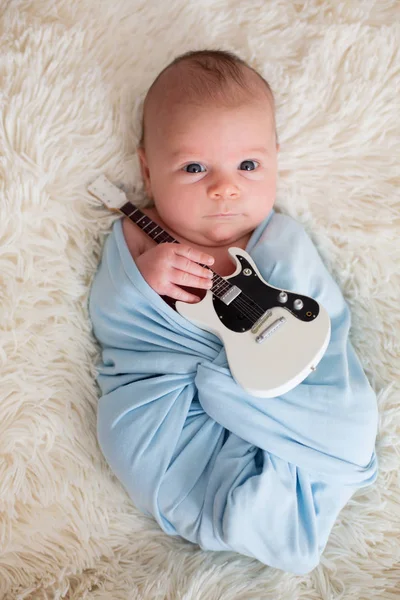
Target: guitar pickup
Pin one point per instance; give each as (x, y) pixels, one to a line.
(230, 295)
(261, 321)
(268, 331)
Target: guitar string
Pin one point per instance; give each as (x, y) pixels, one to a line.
(239, 300)
(242, 304)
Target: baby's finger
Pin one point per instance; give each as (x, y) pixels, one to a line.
(193, 254)
(189, 280)
(187, 265)
(173, 291)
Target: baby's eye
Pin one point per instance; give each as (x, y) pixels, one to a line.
(248, 165)
(194, 168)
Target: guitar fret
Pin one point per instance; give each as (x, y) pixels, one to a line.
(151, 230)
(219, 285)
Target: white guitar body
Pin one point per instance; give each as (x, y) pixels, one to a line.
(273, 338)
(257, 366)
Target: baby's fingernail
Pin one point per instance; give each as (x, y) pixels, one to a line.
(210, 260)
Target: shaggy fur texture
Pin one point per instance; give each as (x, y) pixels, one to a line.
(73, 75)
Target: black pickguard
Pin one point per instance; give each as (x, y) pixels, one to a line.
(238, 318)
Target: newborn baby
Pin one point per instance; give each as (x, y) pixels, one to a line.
(265, 477)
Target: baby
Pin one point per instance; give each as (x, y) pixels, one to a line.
(265, 477)
(208, 157)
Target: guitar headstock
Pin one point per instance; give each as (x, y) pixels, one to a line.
(108, 193)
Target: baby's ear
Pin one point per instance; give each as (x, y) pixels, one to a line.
(144, 168)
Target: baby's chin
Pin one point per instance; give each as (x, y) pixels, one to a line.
(213, 234)
(224, 234)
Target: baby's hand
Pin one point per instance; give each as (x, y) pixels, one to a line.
(167, 266)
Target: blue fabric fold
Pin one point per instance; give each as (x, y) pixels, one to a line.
(211, 463)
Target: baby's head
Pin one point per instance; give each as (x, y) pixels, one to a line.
(208, 151)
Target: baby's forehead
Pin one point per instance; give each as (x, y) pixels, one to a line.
(185, 84)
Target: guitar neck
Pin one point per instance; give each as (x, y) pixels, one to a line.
(220, 285)
(157, 233)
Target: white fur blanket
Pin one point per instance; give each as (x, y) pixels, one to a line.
(72, 78)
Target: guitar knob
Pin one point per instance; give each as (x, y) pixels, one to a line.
(298, 304)
(283, 297)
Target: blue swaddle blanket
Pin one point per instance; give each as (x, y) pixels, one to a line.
(265, 477)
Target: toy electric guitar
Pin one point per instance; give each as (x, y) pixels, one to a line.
(273, 338)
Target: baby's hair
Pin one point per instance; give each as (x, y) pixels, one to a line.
(215, 74)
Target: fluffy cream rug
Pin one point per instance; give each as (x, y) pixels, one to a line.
(73, 75)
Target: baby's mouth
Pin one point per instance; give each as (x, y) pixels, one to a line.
(223, 215)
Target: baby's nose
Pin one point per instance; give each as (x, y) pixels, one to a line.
(223, 189)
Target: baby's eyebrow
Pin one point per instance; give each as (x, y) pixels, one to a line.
(188, 152)
(259, 150)
(183, 152)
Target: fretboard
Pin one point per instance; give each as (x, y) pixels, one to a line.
(219, 287)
